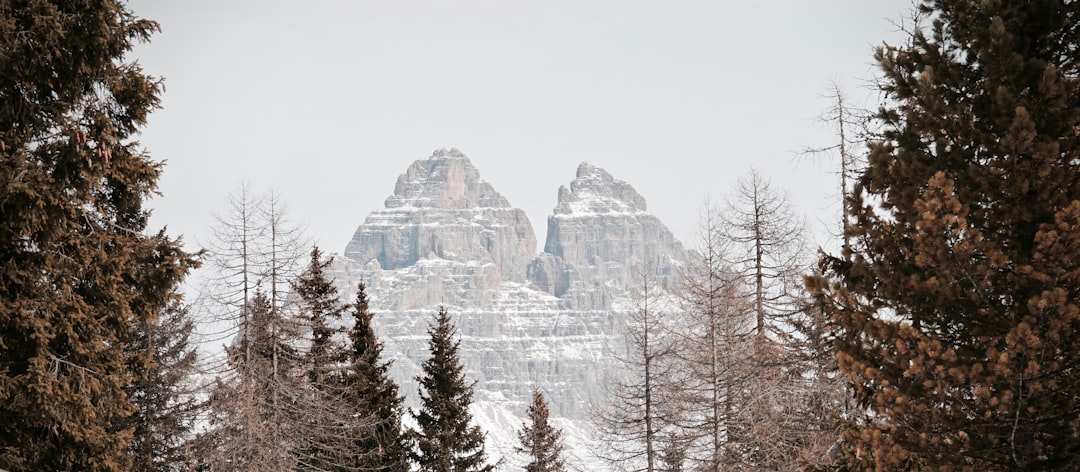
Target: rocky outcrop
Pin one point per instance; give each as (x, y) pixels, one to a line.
(551, 320)
(601, 242)
(459, 236)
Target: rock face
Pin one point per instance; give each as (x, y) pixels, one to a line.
(550, 320)
(601, 242)
(448, 225)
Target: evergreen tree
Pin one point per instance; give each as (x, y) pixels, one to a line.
(446, 440)
(539, 440)
(79, 272)
(958, 304)
(379, 444)
(254, 414)
(320, 308)
(324, 418)
(166, 406)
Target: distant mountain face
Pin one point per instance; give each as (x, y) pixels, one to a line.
(551, 320)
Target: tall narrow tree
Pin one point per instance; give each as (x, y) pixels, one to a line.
(446, 440)
(325, 418)
(540, 441)
(714, 348)
(958, 304)
(80, 273)
(768, 251)
(253, 246)
(629, 425)
(380, 444)
(233, 255)
(164, 394)
(253, 420)
(320, 307)
(850, 124)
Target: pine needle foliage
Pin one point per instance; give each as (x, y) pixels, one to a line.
(540, 441)
(957, 306)
(380, 445)
(163, 394)
(324, 418)
(78, 272)
(446, 440)
(320, 307)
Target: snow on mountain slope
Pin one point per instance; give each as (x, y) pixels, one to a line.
(550, 321)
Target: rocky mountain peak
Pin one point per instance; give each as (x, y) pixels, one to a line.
(447, 179)
(444, 153)
(442, 213)
(599, 239)
(549, 321)
(594, 190)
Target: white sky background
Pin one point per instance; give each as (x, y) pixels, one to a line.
(329, 101)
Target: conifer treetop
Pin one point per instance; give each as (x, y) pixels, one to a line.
(446, 439)
(958, 302)
(541, 442)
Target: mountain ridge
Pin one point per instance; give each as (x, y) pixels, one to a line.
(527, 319)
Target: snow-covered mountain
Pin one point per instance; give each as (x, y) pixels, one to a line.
(549, 320)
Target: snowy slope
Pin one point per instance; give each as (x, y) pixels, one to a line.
(549, 321)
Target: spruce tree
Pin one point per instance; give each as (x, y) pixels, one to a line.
(79, 271)
(165, 400)
(541, 442)
(379, 444)
(958, 304)
(446, 440)
(320, 308)
(254, 416)
(324, 418)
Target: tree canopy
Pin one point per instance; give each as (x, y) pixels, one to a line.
(80, 274)
(956, 305)
(446, 440)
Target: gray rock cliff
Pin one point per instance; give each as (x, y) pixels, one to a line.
(551, 320)
(601, 241)
(459, 236)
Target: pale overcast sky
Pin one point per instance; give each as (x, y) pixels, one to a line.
(329, 101)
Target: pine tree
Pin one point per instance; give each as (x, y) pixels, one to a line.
(541, 442)
(165, 401)
(233, 252)
(320, 308)
(768, 242)
(253, 415)
(380, 444)
(324, 418)
(958, 303)
(673, 453)
(254, 246)
(79, 272)
(714, 349)
(446, 440)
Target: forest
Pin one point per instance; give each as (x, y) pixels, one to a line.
(943, 334)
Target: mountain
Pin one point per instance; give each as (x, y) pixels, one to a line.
(552, 320)
(600, 240)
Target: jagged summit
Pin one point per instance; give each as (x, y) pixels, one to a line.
(447, 179)
(442, 211)
(526, 321)
(594, 190)
(598, 239)
(451, 153)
